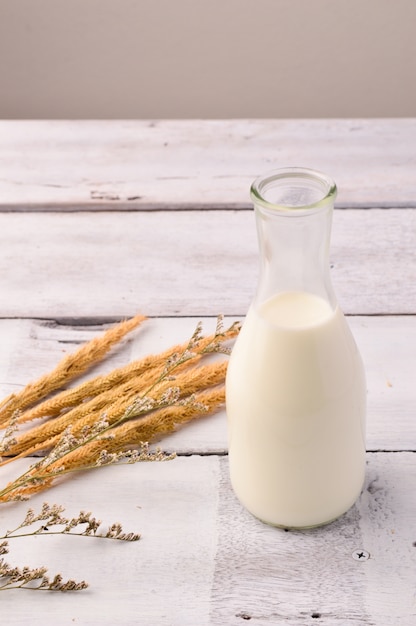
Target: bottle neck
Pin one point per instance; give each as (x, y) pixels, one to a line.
(294, 252)
(294, 209)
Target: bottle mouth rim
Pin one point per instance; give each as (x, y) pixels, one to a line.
(283, 176)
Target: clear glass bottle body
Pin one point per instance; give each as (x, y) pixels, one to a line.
(295, 388)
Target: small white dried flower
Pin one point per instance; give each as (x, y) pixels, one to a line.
(140, 405)
(8, 439)
(170, 396)
(196, 337)
(106, 458)
(219, 329)
(191, 401)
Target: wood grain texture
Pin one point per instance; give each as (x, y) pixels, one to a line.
(193, 163)
(204, 560)
(89, 234)
(187, 263)
(268, 576)
(163, 579)
(32, 347)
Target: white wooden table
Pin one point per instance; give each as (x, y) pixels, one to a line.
(100, 220)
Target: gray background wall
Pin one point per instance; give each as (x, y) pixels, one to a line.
(207, 58)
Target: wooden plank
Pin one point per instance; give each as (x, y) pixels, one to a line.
(33, 347)
(204, 560)
(269, 576)
(55, 265)
(194, 163)
(151, 580)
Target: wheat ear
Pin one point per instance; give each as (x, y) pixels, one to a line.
(146, 430)
(150, 428)
(67, 369)
(68, 398)
(116, 402)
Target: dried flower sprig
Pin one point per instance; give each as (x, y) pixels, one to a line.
(52, 516)
(52, 522)
(35, 579)
(59, 462)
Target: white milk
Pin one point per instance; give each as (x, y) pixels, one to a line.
(296, 400)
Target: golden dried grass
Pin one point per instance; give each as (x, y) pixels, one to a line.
(69, 368)
(137, 403)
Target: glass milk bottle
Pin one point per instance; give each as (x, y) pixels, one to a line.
(295, 388)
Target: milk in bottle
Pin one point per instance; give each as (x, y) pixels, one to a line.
(295, 388)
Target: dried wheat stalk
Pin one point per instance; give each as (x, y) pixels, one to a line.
(115, 402)
(108, 450)
(68, 368)
(93, 424)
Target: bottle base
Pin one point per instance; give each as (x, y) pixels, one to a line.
(310, 526)
(300, 527)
